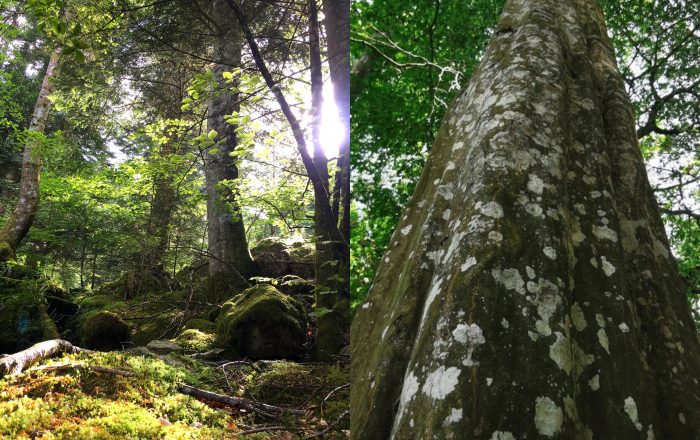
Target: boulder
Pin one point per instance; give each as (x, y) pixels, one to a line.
(276, 258)
(164, 347)
(24, 319)
(197, 340)
(105, 331)
(261, 323)
(202, 325)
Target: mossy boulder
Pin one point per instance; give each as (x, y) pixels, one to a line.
(105, 331)
(6, 252)
(277, 258)
(24, 319)
(137, 282)
(202, 325)
(198, 340)
(262, 323)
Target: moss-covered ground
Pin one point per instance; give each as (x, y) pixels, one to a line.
(79, 403)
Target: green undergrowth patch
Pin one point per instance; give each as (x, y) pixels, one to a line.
(49, 401)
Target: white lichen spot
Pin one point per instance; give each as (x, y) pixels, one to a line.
(534, 210)
(386, 329)
(406, 230)
(595, 194)
(489, 381)
(543, 328)
(450, 166)
(436, 181)
(454, 417)
(408, 391)
(681, 418)
(577, 317)
(603, 340)
(580, 208)
(548, 417)
(472, 336)
(534, 336)
(505, 323)
(631, 410)
(510, 279)
(491, 209)
(624, 328)
(608, 268)
(366, 305)
(594, 383)
(650, 433)
(495, 236)
(550, 252)
(535, 184)
(457, 146)
(605, 233)
(600, 319)
(530, 272)
(568, 355)
(578, 237)
(594, 262)
(469, 262)
(441, 382)
(502, 435)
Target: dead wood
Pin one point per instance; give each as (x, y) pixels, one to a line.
(18, 362)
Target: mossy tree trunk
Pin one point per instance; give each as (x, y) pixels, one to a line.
(22, 217)
(529, 290)
(228, 247)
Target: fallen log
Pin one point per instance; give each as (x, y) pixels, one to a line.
(18, 362)
(238, 402)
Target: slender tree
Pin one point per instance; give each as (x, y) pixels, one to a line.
(21, 218)
(529, 290)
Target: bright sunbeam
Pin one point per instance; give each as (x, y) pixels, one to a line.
(332, 130)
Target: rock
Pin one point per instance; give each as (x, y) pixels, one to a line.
(141, 351)
(105, 331)
(261, 323)
(294, 285)
(202, 325)
(164, 347)
(24, 319)
(193, 339)
(276, 258)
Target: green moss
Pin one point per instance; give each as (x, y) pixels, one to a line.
(159, 327)
(105, 331)
(6, 252)
(269, 244)
(261, 322)
(203, 325)
(195, 340)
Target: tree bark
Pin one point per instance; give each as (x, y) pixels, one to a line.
(228, 245)
(529, 290)
(22, 217)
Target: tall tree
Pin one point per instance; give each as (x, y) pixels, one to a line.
(331, 247)
(529, 289)
(228, 247)
(21, 218)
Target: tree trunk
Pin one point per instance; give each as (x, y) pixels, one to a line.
(337, 26)
(332, 306)
(18, 362)
(228, 246)
(529, 290)
(21, 218)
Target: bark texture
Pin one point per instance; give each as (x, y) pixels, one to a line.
(22, 217)
(529, 290)
(228, 246)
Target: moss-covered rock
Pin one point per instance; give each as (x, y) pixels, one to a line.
(137, 282)
(193, 339)
(105, 331)
(262, 323)
(202, 325)
(24, 319)
(6, 252)
(276, 258)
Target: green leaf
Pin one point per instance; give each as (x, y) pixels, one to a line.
(212, 134)
(214, 151)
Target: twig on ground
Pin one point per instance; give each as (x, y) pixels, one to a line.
(331, 426)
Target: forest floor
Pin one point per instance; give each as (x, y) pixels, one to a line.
(138, 397)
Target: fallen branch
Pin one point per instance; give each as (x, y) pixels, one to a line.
(18, 362)
(263, 429)
(237, 402)
(96, 368)
(331, 426)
